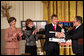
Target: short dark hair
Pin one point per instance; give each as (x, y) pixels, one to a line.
(28, 21)
(79, 18)
(53, 16)
(11, 19)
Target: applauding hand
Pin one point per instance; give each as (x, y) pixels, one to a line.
(20, 34)
(14, 35)
(35, 31)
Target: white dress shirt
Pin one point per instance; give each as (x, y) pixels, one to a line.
(55, 27)
(78, 26)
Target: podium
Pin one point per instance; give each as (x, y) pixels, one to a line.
(66, 48)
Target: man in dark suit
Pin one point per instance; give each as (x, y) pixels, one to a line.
(52, 48)
(76, 35)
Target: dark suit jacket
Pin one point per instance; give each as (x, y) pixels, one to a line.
(75, 36)
(50, 45)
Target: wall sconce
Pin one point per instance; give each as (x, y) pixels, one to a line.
(5, 7)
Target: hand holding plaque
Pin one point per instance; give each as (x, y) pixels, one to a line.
(60, 35)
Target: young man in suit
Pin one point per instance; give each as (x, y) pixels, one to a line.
(76, 35)
(52, 48)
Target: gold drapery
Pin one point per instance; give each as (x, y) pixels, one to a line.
(65, 10)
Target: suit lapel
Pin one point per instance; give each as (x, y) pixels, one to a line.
(57, 28)
(77, 28)
(52, 27)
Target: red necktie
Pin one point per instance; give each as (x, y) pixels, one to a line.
(54, 28)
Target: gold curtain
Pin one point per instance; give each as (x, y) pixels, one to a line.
(66, 11)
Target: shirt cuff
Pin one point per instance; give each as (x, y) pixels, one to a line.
(55, 33)
(64, 36)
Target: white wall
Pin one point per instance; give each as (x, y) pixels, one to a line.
(31, 9)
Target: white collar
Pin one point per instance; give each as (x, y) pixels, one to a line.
(78, 26)
(53, 25)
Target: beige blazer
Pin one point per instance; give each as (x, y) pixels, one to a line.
(10, 42)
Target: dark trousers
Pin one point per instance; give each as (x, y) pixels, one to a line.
(80, 54)
(31, 49)
(54, 50)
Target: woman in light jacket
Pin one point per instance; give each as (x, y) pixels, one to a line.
(12, 34)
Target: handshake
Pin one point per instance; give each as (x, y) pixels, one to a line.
(60, 34)
(60, 37)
